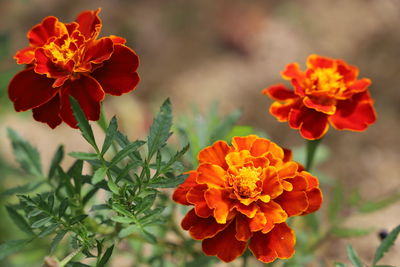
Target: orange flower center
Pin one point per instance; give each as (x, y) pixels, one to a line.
(63, 52)
(247, 182)
(327, 81)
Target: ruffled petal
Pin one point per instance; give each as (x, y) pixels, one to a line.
(279, 92)
(212, 175)
(89, 23)
(261, 146)
(29, 90)
(348, 72)
(180, 193)
(321, 104)
(98, 50)
(243, 232)
(293, 203)
(25, 56)
(314, 198)
(219, 201)
(195, 196)
(354, 114)
(243, 142)
(292, 72)
(271, 184)
(49, 27)
(215, 154)
(316, 61)
(201, 228)
(118, 75)
(88, 92)
(281, 111)
(49, 112)
(224, 245)
(278, 243)
(359, 86)
(273, 212)
(312, 124)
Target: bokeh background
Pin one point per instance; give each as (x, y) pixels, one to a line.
(197, 52)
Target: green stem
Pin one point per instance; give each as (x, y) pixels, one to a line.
(311, 149)
(69, 257)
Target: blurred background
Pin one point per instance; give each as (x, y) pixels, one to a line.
(198, 52)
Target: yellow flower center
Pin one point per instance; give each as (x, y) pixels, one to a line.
(62, 53)
(327, 81)
(245, 182)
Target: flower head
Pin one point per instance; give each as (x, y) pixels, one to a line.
(242, 195)
(328, 92)
(67, 59)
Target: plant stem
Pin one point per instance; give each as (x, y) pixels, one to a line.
(311, 149)
(69, 257)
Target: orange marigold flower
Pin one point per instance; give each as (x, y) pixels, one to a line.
(243, 194)
(328, 92)
(65, 60)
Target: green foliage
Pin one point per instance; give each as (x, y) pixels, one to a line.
(386, 244)
(353, 257)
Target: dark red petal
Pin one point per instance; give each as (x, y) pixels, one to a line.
(195, 196)
(294, 202)
(49, 112)
(224, 245)
(312, 124)
(180, 193)
(98, 50)
(354, 114)
(321, 104)
(29, 90)
(89, 23)
(39, 34)
(281, 111)
(201, 228)
(118, 74)
(314, 197)
(315, 61)
(279, 92)
(278, 243)
(348, 72)
(88, 92)
(44, 65)
(25, 56)
(243, 232)
(292, 72)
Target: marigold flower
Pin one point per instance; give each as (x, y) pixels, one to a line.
(243, 194)
(65, 60)
(328, 92)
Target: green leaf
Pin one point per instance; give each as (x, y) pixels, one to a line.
(83, 124)
(110, 135)
(164, 182)
(12, 246)
(160, 129)
(175, 158)
(113, 187)
(48, 230)
(63, 207)
(78, 218)
(119, 208)
(106, 256)
(19, 220)
(350, 232)
(57, 158)
(41, 222)
(337, 202)
(353, 257)
(225, 126)
(371, 206)
(22, 189)
(66, 181)
(83, 155)
(127, 231)
(126, 151)
(239, 130)
(99, 175)
(120, 219)
(26, 155)
(149, 237)
(386, 244)
(56, 240)
(339, 264)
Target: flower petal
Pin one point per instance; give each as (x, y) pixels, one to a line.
(215, 154)
(279, 92)
(281, 111)
(89, 23)
(243, 142)
(314, 198)
(219, 201)
(201, 228)
(292, 72)
(261, 146)
(312, 124)
(195, 196)
(293, 202)
(354, 114)
(321, 104)
(316, 61)
(180, 193)
(212, 175)
(98, 50)
(25, 56)
(271, 184)
(29, 90)
(243, 232)
(278, 243)
(49, 27)
(49, 112)
(224, 245)
(88, 92)
(118, 75)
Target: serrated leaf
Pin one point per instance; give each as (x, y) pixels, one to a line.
(41, 222)
(350, 232)
(113, 187)
(12, 246)
(57, 158)
(76, 172)
(26, 155)
(99, 175)
(83, 124)
(19, 221)
(160, 129)
(106, 256)
(386, 244)
(127, 231)
(83, 155)
(225, 126)
(353, 257)
(126, 151)
(63, 207)
(120, 219)
(110, 135)
(56, 240)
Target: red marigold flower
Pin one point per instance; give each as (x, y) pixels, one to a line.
(242, 195)
(65, 60)
(328, 92)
